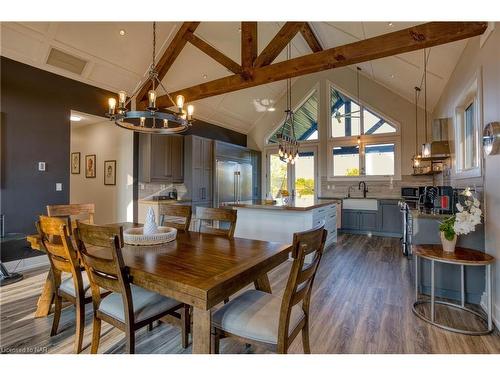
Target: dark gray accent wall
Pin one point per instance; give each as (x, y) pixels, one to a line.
(35, 109)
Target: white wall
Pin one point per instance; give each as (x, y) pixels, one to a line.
(107, 142)
(487, 58)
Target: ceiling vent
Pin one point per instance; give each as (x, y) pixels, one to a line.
(66, 61)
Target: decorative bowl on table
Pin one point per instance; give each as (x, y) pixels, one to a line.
(135, 236)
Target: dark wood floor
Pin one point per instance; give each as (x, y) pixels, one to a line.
(361, 304)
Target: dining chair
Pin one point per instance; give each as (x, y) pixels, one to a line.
(207, 217)
(128, 307)
(80, 211)
(54, 234)
(175, 215)
(256, 317)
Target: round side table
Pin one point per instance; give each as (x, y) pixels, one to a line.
(461, 257)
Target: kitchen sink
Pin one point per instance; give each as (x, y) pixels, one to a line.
(360, 204)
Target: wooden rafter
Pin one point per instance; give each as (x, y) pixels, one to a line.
(311, 38)
(214, 53)
(411, 39)
(248, 44)
(278, 43)
(169, 56)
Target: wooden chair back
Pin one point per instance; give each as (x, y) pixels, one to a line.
(212, 215)
(106, 269)
(80, 211)
(169, 212)
(54, 235)
(301, 278)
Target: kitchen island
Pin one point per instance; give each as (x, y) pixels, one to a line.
(279, 221)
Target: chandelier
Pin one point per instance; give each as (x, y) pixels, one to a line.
(353, 114)
(288, 149)
(151, 120)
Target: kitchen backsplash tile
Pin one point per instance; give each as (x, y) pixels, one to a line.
(147, 190)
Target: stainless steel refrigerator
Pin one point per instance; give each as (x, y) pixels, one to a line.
(233, 182)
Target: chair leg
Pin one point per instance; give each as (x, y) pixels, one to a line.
(57, 314)
(305, 338)
(130, 333)
(80, 325)
(185, 325)
(150, 327)
(96, 335)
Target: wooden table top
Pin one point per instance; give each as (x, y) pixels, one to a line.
(461, 255)
(198, 269)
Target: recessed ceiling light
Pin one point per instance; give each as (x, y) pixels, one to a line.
(122, 32)
(75, 118)
(392, 76)
(239, 29)
(390, 24)
(204, 76)
(271, 109)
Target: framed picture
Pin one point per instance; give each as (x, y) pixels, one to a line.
(75, 163)
(110, 172)
(90, 166)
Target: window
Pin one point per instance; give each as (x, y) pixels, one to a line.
(467, 131)
(362, 142)
(349, 118)
(305, 121)
(346, 161)
(379, 159)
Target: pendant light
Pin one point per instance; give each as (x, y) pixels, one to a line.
(416, 158)
(426, 147)
(288, 146)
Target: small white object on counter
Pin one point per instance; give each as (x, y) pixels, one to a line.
(150, 226)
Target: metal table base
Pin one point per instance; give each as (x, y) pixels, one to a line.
(487, 319)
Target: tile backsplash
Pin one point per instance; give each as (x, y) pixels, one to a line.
(148, 190)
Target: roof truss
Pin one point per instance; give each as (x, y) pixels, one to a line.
(258, 70)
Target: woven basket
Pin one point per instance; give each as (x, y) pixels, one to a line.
(135, 236)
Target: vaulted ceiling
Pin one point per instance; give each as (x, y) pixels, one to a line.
(120, 62)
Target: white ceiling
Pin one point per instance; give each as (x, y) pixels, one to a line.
(118, 62)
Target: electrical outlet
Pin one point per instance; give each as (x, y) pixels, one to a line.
(41, 166)
(58, 186)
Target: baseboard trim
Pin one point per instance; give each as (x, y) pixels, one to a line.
(26, 264)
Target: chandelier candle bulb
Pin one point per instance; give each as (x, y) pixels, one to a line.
(180, 102)
(143, 121)
(112, 105)
(165, 123)
(190, 111)
(122, 98)
(152, 99)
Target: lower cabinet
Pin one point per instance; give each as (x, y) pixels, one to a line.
(386, 220)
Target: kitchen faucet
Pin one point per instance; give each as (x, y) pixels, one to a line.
(365, 190)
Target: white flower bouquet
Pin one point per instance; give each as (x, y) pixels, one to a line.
(465, 220)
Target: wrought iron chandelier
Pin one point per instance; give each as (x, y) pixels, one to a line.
(353, 114)
(151, 120)
(288, 149)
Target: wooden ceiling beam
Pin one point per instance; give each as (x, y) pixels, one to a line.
(310, 38)
(173, 50)
(278, 43)
(214, 53)
(407, 40)
(248, 44)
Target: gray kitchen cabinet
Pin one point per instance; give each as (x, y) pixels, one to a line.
(390, 217)
(161, 158)
(198, 169)
(350, 219)
(368, 221)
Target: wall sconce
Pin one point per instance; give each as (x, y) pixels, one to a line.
(491, 139)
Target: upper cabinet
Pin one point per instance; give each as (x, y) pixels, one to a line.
(198, 170)
(161, 158)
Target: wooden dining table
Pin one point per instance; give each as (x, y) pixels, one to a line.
(201, 270)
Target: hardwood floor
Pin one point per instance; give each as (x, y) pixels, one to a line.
(361, 303)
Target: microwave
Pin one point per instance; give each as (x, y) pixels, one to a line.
(410, 192)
